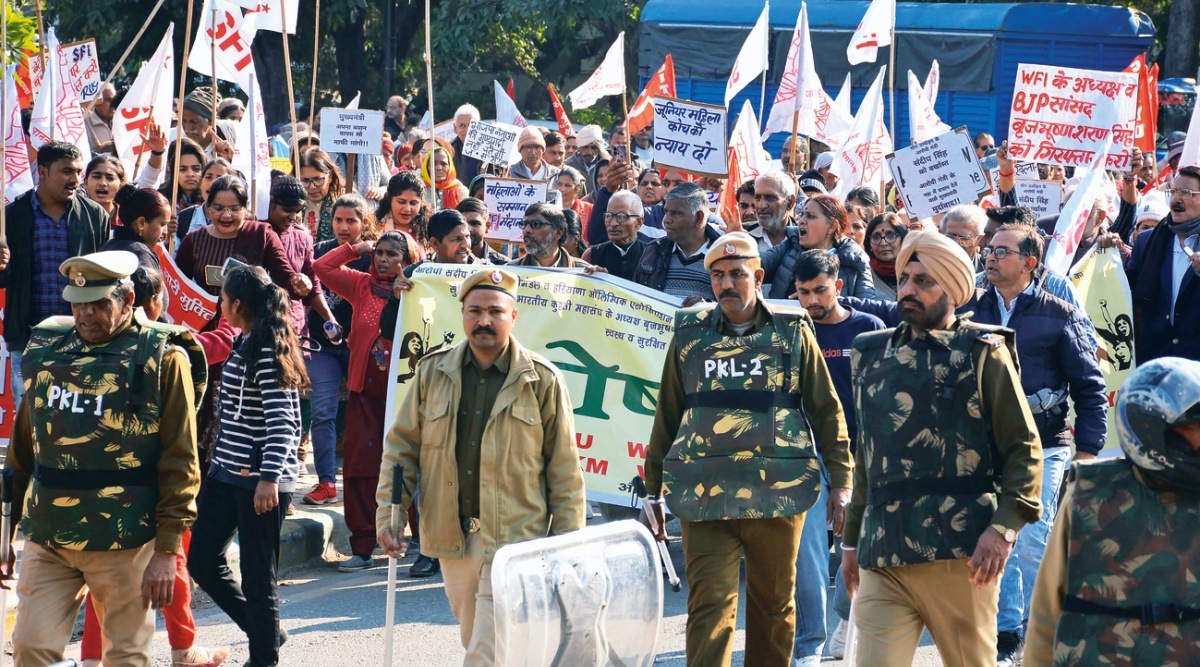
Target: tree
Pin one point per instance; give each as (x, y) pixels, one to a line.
(1180, 57)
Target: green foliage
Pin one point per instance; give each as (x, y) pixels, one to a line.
(22, 35)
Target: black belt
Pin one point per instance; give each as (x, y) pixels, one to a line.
(1151, 613)
(937, 486)
(754, 400)
(92, 480)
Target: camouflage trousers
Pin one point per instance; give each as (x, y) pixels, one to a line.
(895, 604)
(713, 553)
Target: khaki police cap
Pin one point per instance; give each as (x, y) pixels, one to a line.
(734, 245)
(493, 279)
(93, 277)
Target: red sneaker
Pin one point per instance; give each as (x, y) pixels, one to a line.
(323, 494)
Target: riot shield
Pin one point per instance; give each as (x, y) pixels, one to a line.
(591, 597)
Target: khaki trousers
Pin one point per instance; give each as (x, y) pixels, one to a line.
(469, 588)
(713, 551)
(895, 604)
(51, 589)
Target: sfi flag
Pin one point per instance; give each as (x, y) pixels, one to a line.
(662, 84)
(560, 114)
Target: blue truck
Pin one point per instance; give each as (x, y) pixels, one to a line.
(978, 48)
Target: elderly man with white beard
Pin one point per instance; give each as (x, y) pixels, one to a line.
(775, 204)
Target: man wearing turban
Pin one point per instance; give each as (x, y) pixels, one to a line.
(948, 467)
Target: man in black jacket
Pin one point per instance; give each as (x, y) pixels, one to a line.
(46, 226)
(622, 252)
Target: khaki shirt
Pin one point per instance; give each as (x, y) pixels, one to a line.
(530, 484)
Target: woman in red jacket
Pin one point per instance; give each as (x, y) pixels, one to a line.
(370, 354)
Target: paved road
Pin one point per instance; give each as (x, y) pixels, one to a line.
(337, 619)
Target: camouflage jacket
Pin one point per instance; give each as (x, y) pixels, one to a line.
(742, 448)
(1128, 547)
(928, 456)
(95, 412)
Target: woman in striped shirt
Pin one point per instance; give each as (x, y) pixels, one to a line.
(254, 461)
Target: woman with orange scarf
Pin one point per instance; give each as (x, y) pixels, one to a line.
(437, 171)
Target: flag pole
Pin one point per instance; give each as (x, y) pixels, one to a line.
(312, 100)
(762, 95)
(287, 60)
(4, 122)
(187, 45)
(429, 88)
(87, 109)
(795, 133)
(628, 139)
(37, 9)
(892, 78)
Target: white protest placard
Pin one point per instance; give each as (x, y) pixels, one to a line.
(935, 176)
(506, 200)
(1024, 171)
(445, 130)
(1062, 115)
(353, 131)
(492, 143)
(82, 64)
(690, 137)
(1044, 197)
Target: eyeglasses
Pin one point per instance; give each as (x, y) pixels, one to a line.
(962, 238)
(218, 210)
(621, 218)
(1000, 252)
(535, 224)
(533, 147)
(886, 237)
(317, 180)
(1182, 193)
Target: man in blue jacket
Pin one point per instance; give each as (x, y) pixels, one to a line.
(1057, 356)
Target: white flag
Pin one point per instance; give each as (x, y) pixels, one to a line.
(152, 90)
(270, 13)
(252, 152)
(932, 82)
(800, 83)
(225, 39)
(874, 31)
(426, 124)
(57, 105)
(354, 102)
(506, 109)
(608, 79)
(752, 59)
(842, 101)
(1072, 220)
(753, 160)
(923, 121)
(859, 161)
(1190, 157)
(17, 179)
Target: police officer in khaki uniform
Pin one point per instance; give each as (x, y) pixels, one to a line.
(488, 430)
(734, 457)
(948, 468)
(105, 445)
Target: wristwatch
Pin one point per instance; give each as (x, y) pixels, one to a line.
(1008, 534)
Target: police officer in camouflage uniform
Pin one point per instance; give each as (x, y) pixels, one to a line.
(948, 468)
(1118, 581)
(733, 456)
(106, 434)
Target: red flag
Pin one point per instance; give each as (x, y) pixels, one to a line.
(662, 83)
(727, 205)
(1147, 104)
(560, 114)
(188, 305)
(512, 94)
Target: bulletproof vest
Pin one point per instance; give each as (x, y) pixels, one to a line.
(95, 412)
(744, 449)
(931, 462)
(1131, 595)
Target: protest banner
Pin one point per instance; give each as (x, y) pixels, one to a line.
(1024, 170)
(1062, 115)
(1103, 289)
(935, 176)
(80, 62)
(492, 143)
(353, 131)
(1043, 197)
(187, 304)
(608, 337)
(506, 200)
(224, 41)
(689, 136)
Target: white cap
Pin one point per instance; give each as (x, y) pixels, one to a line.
(1152, 205)
(823, 160)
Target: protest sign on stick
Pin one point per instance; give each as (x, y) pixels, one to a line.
(506, 200)
(1062, 115)
(935, 176)
(352, 131)
(188, 304)
(690, 136)
(1043, 197)
(492, 143)
(1023, 170)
